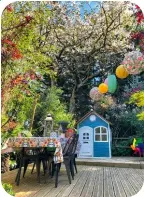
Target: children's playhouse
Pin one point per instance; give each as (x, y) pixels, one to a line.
(94, 135)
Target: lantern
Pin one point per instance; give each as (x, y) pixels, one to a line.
(103, 88)
(48, 126)
(112, 83)
(134, 62)
(121, 72)
(95, 94)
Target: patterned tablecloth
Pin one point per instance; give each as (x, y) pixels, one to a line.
(38, 142)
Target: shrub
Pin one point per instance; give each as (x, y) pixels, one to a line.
(8, 188)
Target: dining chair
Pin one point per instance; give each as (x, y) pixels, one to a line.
(25, 160)
(66, 160)
(42, 156)
(73, 155)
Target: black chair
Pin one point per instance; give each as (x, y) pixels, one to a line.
(67, 152)
(73, 155)
(37, 156)
(46, 160)
(25, 160)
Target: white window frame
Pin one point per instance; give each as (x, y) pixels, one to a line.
(100, 133)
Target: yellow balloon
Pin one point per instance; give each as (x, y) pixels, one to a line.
(121, 72)
(103, 88)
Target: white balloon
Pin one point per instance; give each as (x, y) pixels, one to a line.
(95, 94)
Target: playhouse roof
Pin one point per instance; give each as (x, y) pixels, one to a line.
(91, 113)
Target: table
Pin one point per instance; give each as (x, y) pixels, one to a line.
(26, 145)
(37, 142)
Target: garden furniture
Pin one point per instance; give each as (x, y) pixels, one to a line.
(76, 148)
(67, 151)
(34, 148)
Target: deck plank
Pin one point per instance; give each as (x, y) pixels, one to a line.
(78, 177)
(91, 181)
(118, 188)
(129, 190)
(98, 187)
(132, 180)
(89, 185)
(108, 183)
(77, 189)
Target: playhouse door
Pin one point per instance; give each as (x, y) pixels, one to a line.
(86, 140)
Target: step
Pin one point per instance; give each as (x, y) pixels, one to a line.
(119, 163)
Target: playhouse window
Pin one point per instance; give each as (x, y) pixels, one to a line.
(101, 134)
(85, 136)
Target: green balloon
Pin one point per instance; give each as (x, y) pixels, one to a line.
(112, 83)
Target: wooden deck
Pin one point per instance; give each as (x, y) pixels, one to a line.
(91, 181)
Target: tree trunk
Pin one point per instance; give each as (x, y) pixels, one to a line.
(34, 110)
(72, 101)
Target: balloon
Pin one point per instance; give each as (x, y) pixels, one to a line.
(112, 83)
(106, 81)
(134, 62)
(103, 88)
(95, 94)
(121, 72)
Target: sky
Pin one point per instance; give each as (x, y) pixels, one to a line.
(88, 6)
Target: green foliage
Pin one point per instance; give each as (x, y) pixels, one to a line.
(138, 99)
(51, 103)
(126, 124)
(122, 148)
(8, 188)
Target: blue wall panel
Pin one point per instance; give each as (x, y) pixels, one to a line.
(101, 149)
(98, 122)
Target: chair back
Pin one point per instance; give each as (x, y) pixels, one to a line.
(69, 146)
(75, 143)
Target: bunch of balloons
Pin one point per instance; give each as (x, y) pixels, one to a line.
(133, 63)
(109, 85)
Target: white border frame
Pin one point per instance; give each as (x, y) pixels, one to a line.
(110, 142)
(101, 134)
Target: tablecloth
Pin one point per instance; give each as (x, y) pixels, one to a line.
(37, 142)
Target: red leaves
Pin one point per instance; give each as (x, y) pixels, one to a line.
(137, 7)
(16, 54)
(11, 49)
(17, 80)
(139, 14)
(137, 35)
(28, 18)
(12, 124)
(9, 42)
(9, 8)
(32, 76)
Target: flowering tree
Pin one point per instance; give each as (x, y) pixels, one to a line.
(84, 40)
(55, 38)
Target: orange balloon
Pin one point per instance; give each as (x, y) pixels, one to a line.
(121, 72)
(103, 88)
